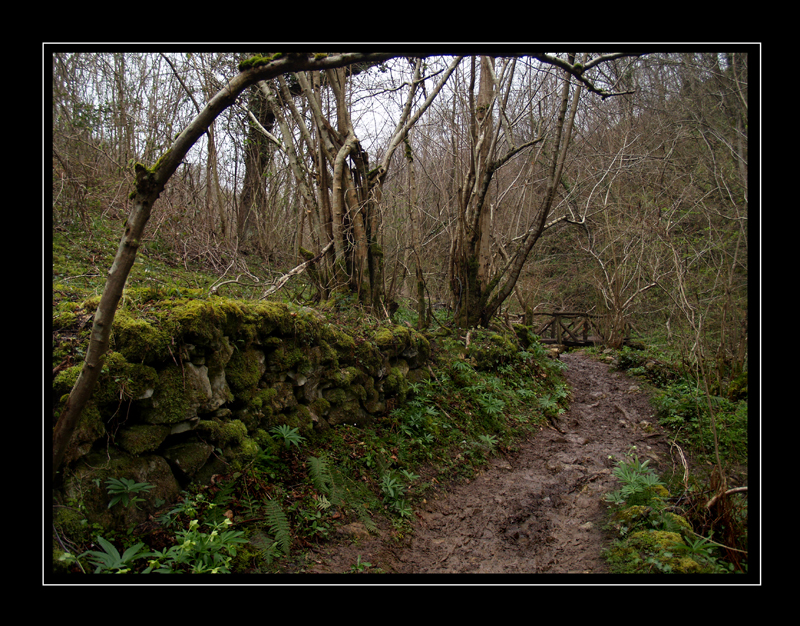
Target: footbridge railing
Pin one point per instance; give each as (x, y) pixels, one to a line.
(569, 328)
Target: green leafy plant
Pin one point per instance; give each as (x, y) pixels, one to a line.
(126, 491)
(639, 482)
(191, 506)
(391, 487)
(490, 404)
(360, 566)
(198, 551)
(290, 436)
(320, 473)
(393, 490)
(490, 441)
(109, 560)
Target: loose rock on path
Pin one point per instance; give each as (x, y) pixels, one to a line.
(538, 512)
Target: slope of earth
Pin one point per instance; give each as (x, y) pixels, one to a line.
(538, 512)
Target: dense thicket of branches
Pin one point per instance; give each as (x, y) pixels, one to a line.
(611, 183)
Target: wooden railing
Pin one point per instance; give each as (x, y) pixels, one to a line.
(569, 328)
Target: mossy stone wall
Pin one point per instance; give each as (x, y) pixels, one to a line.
(196, 385)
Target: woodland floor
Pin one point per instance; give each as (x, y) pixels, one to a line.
(540, 511)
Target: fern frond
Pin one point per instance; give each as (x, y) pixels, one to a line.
(320, 473)
(365, 518)
(278, 525)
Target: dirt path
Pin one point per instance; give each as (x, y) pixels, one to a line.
(538, 512)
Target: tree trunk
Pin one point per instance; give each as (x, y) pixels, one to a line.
(258, 153)
(422, 317)
(148, 187)
(479, 296)
(472, 257)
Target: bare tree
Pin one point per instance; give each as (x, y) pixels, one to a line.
(150, 182)
(340, 186)
(478, 294)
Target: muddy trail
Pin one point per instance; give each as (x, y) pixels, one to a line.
(538, 512)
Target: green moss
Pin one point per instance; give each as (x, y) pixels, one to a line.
(91, 303)
(138, 340)
(655, 540)
(651, 551)
(396, 385)
(393, 340)
(247, 451)
(91, 426)
(360, 392)
(65, 380)
(72, 523)
(320, 406)
(259, 60)
(232, 436)
(303, 419)
(677, 521)
(172, 401)
(244, 370)
(488, 350)
(335, 396)
(208, 320)
(224, 433)
(121, 380)
(346, 376)
(65, 316)
(263, 400)
(285, 358)
(142, 437)
(204, 321)
(525, 336)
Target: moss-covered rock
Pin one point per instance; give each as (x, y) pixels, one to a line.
(140, 438)
(489, 350)
(192, 375)
(187, 458)
(138, 340)
(392, 341)
(244, 370)
(87, 485)
(176, 397)
(395, 385)
(400, 341)
(652, 551)
(348, 411)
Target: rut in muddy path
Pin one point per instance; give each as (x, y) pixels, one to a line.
(538, 512)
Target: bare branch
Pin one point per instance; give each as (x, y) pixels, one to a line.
(297, 270)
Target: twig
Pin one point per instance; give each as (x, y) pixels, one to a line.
(721, 545)
(685, 467)
(711, 502)
(213, 291)
(297, 270)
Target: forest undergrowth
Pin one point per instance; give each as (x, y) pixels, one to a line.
(478, 402)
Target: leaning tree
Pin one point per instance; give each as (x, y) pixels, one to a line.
(150, 182)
